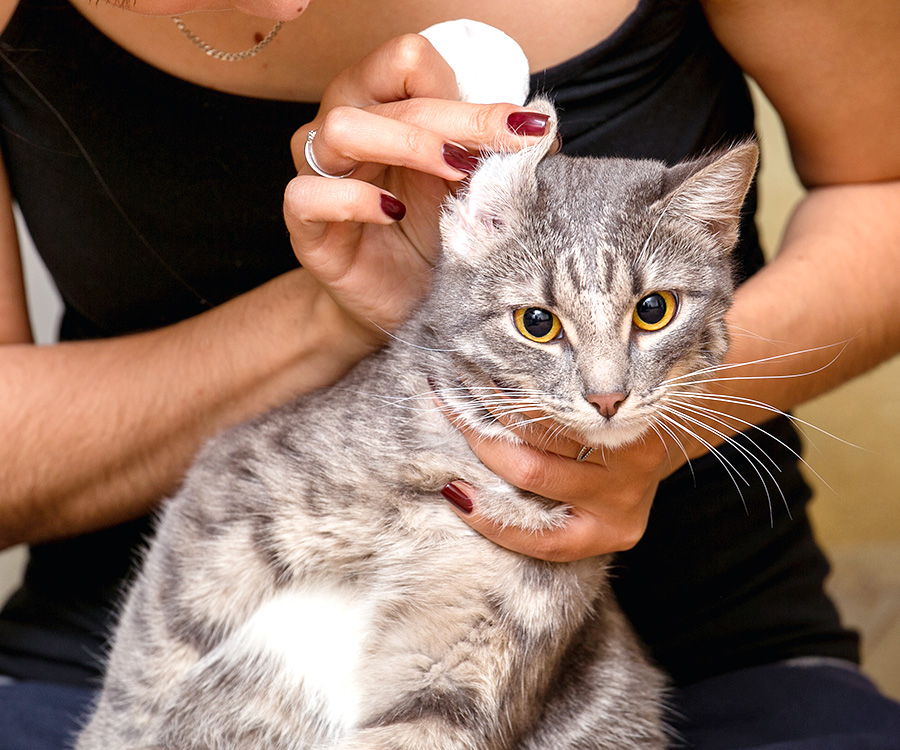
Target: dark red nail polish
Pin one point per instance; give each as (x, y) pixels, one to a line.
(458, 158)
(392, 208)
(528, 123)
(457, 498)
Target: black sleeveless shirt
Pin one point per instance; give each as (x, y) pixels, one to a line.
(152, 199)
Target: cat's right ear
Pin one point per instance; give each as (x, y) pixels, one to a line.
(710, 192)
(494, 193)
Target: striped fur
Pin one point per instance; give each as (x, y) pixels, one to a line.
(308, 587)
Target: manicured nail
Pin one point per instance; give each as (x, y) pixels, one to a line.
(392, 208)
(557, 144)
(456, 497)
(458, 158)
(528, 123)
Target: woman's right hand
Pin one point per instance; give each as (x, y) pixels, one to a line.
(394, 118)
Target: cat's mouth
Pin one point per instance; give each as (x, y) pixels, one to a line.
(498, 408)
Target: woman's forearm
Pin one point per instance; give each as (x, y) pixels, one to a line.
(824, 311)
(95, 433)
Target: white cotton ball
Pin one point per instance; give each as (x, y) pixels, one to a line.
(490, 66)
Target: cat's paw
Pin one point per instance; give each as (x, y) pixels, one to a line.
(506, 505)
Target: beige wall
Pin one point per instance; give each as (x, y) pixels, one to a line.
(856, 510)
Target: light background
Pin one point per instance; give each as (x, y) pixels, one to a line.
(857, 515)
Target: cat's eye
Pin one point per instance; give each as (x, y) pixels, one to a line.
(655, 311)
(537, 324)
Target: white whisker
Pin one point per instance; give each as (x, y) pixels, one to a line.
(751, 457)
(410, 343)
(719, 418)
(712, 413)
(656, 425)
(730, 469)
(764, 360)
(744, 401)
(753, 460)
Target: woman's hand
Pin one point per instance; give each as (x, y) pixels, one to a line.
(371, 238)
(610, 492)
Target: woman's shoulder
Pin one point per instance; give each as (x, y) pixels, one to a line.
(7, 8)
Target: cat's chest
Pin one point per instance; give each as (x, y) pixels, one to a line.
(314, 639)
(337, 639)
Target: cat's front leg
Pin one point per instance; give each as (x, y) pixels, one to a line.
(606, 696)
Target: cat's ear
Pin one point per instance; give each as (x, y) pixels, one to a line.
(494, 193)
(711, 191)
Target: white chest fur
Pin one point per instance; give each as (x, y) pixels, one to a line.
(315, 636)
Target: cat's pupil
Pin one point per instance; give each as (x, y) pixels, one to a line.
(652, 309)
(538, 322)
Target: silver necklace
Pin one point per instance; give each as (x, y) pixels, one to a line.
(227, 56)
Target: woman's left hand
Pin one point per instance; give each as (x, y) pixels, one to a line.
(610, 493)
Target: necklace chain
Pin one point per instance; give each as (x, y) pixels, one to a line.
(226, 56)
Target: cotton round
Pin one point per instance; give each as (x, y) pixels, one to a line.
(490, 66)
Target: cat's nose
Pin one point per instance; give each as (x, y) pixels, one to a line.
(607, 403)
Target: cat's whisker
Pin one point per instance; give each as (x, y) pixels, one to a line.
(690, 377)
(729, 467)
(754, 460)
(656, 425)
(411, 343)
(736, 423)
(662, 215)
(745, 425)
(744, 401)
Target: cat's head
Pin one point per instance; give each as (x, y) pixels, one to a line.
(586, 291)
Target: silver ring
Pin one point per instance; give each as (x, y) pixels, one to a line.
(585, 451)
(313, 165)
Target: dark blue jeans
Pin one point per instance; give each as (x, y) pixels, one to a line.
(800, 706)
(41, 716)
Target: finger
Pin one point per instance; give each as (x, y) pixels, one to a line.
(583, 535)
(406, 67)
(534, 428)
(532, 465)
(348, 137)
(311, 205)
(500, 127)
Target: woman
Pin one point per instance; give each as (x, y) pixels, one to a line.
(152, 177)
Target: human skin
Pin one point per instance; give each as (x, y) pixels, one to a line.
(162, 393)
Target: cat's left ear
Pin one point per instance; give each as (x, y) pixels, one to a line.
(710, 192)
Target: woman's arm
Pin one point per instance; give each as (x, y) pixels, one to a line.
(94, 433)
(834, 289)
(14, 324)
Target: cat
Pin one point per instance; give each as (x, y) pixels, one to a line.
(308, 587)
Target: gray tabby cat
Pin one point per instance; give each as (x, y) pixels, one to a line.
(309, 587)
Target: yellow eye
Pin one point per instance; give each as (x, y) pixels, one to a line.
(655, 311)
(536, 324)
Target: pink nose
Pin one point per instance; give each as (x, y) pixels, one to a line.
(607, 403)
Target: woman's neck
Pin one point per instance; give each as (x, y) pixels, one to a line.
(333, 34)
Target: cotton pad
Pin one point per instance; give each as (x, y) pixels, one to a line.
(490, 66)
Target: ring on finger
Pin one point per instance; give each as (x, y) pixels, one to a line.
(585, 451)
(313, 164)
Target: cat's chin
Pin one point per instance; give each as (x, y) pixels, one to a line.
(613, 435)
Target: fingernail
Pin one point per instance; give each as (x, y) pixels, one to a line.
(392, 208)
(557, 144)
(458, 158)
(528, 123)
(456, 497)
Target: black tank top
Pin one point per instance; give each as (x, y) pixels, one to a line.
(152, 199)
